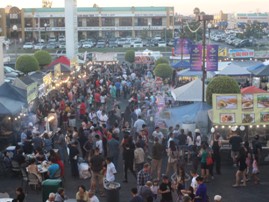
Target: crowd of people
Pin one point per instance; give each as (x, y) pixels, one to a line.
(85, 121)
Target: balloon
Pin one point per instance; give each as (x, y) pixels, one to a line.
(212, 130)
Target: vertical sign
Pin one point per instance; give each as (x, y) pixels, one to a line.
(196, 58)
(212, 57)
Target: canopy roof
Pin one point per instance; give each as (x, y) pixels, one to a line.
(10, 106)
(64, 68)
(238, 68)
(261, 69)
(181, 64)
(191, 91)
(62, 60)
(252, 89)
(9, 91)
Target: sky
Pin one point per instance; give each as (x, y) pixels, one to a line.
(181, 6)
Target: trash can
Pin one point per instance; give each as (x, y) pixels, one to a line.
(48, 186)
(112, 191)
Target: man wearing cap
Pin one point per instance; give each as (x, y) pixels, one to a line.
(165, 189)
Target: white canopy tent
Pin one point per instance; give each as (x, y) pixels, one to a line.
(191, 92)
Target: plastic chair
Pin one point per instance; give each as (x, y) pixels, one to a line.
(15, 167)
(4, 195)
(33, 180)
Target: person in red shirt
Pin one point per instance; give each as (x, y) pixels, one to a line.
(97, 99)
(62, 105)
(82, 110)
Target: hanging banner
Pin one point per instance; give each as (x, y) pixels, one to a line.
(57, 70)
(182, 46)
(32, 92)
(212, 58)
(196, 57)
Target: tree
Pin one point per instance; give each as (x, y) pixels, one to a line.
(196, 11)
(130, 56)
(221, 85)
(161, 61)
(43, 58)
(163, 70)
(27, 63)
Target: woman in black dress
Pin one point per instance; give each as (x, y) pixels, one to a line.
(241, 172)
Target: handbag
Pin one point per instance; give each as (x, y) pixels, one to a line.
(209, 160)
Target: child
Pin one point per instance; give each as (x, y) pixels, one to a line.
(255, 170)
(154, 188)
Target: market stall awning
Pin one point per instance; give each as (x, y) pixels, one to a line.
(252, 89)
(191, 92)
(9, 107)
(64, 68)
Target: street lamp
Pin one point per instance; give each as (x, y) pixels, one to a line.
(209, 26)
(45, 25)
(149, 29)
(15, 31)
(204, 18)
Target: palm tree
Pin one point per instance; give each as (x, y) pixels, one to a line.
(196, 11)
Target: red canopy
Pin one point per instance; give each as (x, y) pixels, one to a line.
(252, 89)
(62, 60)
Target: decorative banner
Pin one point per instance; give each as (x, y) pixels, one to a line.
(182, 46)
(212, 58)
(196, 57)
(241, 109)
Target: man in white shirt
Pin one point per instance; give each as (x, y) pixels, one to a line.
(194, 183)
(157, 133)
(99, 143)
(138, 124)
(92, 196)
(110, 170)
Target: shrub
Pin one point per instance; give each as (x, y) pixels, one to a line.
(27, 63)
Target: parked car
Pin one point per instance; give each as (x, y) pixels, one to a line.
(51, 46)
(60, 53)
(137, 44)
(101, 44)
(126, 45)
(39, 46)
(121, 42)
(112, 44)
(62, 45)
(12, 73)
(28, 45)
(161, 44)
(87, 44)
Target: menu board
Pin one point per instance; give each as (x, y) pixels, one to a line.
(240, 109)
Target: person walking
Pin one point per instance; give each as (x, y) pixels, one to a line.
(216, 145)
(73, 158)
(157, 153)
(128, 157)
(143, 176)
(165, 189)
(241, 172)
(173, 156)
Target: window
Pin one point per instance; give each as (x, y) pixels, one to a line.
(157, 21)
(92, 22)
(28, 22)
(108, 21)
(80, 22)
(125, 21)
(142, 22)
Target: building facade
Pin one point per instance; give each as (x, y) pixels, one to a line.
(35, 23)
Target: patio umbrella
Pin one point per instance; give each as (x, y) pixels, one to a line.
(252, 89)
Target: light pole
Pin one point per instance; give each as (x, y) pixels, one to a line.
(204, 19)
(149, 29)
(15, 31)
(46, 25)
(209, 26)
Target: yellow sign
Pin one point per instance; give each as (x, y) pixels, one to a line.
(32, 92)
(47, 79)
(241, 109)
(223, 52)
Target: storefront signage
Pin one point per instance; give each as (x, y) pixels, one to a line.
(241, 53)
(241, 109)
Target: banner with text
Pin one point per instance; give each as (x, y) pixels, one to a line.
(212, 57)
(196, 57)
(182, 46)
